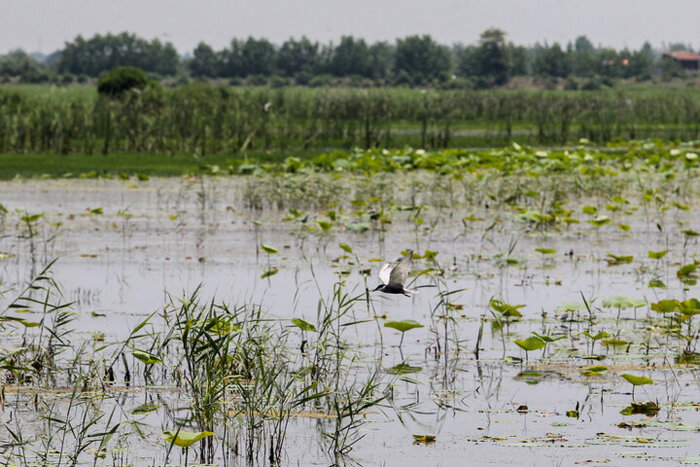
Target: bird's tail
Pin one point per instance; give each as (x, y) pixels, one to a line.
(408, 292)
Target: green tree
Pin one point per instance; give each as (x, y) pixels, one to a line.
(551, 61)
(381, 60)
(350, 57)
(257, 57)
(493, 58)
(296, 57)
(422, 59)
(204, 62)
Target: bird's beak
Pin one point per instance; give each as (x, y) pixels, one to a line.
(378, 287)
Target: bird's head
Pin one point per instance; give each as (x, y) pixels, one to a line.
(378, 287)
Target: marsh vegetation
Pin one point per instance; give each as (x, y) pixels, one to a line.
(226, 317)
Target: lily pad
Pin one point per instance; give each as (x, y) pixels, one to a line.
(185, 438)
(403, 326)
(637, 380)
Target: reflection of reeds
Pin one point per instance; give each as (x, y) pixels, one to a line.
(226, 120)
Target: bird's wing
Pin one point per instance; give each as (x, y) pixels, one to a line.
(399, 274)
(385, 273)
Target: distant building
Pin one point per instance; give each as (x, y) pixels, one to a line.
(689, 61)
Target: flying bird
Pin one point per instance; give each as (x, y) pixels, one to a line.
(393, 276)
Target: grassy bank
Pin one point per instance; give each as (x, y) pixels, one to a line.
(587, 159)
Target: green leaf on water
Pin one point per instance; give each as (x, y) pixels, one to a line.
(615, 259)
(325, 225)
(185, 438)
(509, 311)
(143, 409)
(359, 227)
(594, 370)
(690, 307)
(268, 249)
(304, 325)
(346, 248)
(637, 380)
(599, 220)
(666, 306)
(424, 439)
(592, 210)
(687, 270)
(531, 343)
(600, 335)
(549, 339)
(269, 273)
(657, 254)
(656, 284)
(624, 227)
(403, 369)
(570, 306)
(546, 251)
(618, 301)
(403, 326)
(690, 233)
(615, 342)
(146, 357)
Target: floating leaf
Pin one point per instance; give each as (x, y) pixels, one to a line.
(403, 326)
(637, 380)
(359, 227)
(594, 370)
(618, 301)
(656, 284)
(509, 311)
(304, 325)
(549, 339)
(624, 227)
(657, 254)
(143, 409)
(690, 233)
(185, 438)
(269, 273)
(531, 343)
(546, 251)
(615, 260)
(592, 210)
(346, 248)
(600, 335)
(423, 439)
(570, 306)
(647, 408)
(599, 220)
(666, 306)
(146, 357)
(268, 249)
(403, 369)
(325, 225)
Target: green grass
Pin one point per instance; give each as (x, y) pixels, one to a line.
(114, 164)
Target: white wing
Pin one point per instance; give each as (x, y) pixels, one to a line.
(399, 274)
(385, 273)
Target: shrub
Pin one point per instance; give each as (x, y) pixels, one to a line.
(571, 84)
(120, 79)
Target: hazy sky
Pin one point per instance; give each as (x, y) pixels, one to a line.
(44, 25)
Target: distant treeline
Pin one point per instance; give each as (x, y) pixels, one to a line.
(410, 61)
(207, 119)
